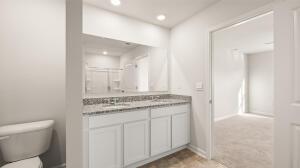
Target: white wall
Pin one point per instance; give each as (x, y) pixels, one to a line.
(102, 61)
(99, 22)
(229, 77)
(129, 57)
(32, 67)
(260, 83)
(74, 91)
(158, 65)
(158, 69)
(188, 62)
(229, 62)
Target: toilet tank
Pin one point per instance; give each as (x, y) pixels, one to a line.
(22, 141)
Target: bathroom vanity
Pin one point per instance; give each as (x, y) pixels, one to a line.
(134, 131)
(128, 131)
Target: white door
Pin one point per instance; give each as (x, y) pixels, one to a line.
(99, 81)
(105, 147)
(160, 135)
(287, 84)
(136, 141)
(128, 78)
(180, 130)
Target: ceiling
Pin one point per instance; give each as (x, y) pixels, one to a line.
(176, 11)
(95, 44)
(252, 36)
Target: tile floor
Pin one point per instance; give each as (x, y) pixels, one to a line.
(183, 159)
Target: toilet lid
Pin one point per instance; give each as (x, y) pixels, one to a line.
(27, 163)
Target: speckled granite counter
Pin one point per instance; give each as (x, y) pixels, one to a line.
(126, 104)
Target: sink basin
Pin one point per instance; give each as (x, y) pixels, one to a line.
(116, 106)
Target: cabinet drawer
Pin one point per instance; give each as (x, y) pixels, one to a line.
(165, 111)
(117, 118)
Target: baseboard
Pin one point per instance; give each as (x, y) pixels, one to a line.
(198, 151)
(260, 113)
(60, 166)
(225, 117)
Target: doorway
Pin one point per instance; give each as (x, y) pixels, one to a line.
(242, 93)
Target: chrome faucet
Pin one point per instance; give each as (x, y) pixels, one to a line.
(155, 98)
(113, 101)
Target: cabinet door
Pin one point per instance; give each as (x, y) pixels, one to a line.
(105, 150)
(160, 135)
(136, 141)
(180, 130)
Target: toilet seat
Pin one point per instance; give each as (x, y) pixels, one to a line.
(26, 163)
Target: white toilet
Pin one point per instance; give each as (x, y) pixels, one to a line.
(21, 144)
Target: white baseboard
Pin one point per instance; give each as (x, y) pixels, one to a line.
(198, 151)
(224, 117)
(261, 113)
(60, 166)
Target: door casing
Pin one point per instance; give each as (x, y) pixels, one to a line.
(209, 69)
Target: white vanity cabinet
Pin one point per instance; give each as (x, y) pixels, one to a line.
(170, 128)
(133, 138)
(117, 139)
(180, 129)
(136, 141)
(160, 135)
(109, 141)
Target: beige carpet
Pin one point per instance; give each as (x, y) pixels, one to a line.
(244, 141)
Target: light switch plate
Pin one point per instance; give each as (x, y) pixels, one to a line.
(199, 86)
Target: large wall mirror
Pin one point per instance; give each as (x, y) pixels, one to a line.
(113, 66)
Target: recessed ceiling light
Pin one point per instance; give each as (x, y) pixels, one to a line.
(115, 2)
(104, 52)
(160, 17)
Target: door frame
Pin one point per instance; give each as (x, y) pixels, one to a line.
(209, 104)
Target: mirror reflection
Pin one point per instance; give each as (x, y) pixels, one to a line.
(113, 66)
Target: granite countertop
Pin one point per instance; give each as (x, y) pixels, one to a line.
(96, 109)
